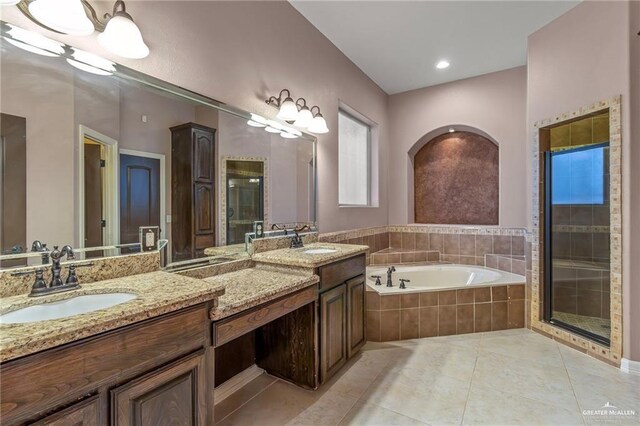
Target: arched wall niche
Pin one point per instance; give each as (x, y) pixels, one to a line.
(455, 177)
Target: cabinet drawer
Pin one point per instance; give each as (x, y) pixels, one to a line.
(230, 328)
(339, 272)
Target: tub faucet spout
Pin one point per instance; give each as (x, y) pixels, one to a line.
(390, 271)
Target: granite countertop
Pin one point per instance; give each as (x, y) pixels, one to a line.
(298, 257)
(251, 287)
(158, 293)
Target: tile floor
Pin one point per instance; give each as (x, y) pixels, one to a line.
(511, 377)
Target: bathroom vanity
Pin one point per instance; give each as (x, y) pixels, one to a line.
(153, 357)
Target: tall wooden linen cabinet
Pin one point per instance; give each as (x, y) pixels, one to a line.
(192, 190)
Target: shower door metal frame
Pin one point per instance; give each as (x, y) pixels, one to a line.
(548, 256)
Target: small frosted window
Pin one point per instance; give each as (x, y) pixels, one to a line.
(578, 176)
(354, 162)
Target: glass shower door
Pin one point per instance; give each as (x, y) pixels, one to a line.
(577, 254)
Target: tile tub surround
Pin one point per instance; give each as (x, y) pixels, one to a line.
(298, 257)
(443, 313)
(612, 354)
(157, 293)
(102, 269)
(251, 287)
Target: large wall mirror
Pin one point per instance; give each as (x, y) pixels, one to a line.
(93, 151)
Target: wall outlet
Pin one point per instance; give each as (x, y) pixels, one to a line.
(149, 236)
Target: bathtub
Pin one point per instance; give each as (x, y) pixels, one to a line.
(440, 277)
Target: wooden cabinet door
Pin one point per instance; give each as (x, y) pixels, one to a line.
(355, 315)
(173, 395)
(333, 331)
(203, 155)
(84, 413)
(203, 208)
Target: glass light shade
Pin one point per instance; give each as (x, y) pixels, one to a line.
(318, 125)
(34, 42)
(255, 124)
(288, 135)
(89, 62)
(272, 129)
(66, 16)
(259, 119)
(304, 118)
(9, 2)
(122, 37)
(288, 110)
(29, 48)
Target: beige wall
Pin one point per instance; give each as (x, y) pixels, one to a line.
(242, 52)
(576, 60)
(493, 103)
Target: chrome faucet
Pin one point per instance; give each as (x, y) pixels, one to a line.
(390, 271)
(403, 282)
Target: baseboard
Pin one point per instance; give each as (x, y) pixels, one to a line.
(629, 366)
(236, 382)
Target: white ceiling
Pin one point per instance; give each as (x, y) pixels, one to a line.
(397, 43)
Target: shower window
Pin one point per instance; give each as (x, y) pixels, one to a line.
(577, 232)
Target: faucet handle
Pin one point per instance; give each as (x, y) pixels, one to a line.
(402, 283)
(377, 277)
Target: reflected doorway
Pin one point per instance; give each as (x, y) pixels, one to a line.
(245, 198)
(141, 193)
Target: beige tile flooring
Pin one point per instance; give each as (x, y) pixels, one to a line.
(511, 377)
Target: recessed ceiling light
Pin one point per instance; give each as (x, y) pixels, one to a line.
(442, 65)
(451, 130)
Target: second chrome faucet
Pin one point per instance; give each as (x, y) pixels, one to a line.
(390, 271)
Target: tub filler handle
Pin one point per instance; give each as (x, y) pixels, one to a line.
(402, 283)
(377, 277)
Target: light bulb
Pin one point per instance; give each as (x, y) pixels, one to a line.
(122, 37)
(442, 65)
(66, 16)
(254, 123)
(318, 125)
(288, 110)
(304, 118)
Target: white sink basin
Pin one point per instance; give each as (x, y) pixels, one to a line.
(66, 308)
(320, 251)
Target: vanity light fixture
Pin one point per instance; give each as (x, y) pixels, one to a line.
(442, 64)
(119, 34)
(298, 113)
